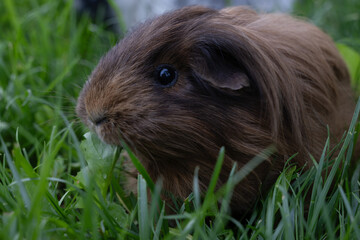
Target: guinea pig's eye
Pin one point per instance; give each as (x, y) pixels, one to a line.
(166, 75)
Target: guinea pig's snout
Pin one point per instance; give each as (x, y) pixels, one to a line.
(100, 120)
(97, 119)
(102, 124)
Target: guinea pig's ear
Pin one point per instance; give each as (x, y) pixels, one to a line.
(218, 67)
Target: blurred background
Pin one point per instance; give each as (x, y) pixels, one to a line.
(338, 18)
(138, 10)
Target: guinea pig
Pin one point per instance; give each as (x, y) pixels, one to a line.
(180, 86)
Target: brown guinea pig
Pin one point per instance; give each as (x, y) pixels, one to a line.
(180, 86)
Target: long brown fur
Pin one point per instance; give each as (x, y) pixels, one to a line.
(297, 86)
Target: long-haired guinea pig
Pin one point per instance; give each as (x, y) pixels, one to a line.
(182, 85)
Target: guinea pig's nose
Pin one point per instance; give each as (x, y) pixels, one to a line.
(100, 121)
(97, 120)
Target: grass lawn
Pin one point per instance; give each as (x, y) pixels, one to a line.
(57, 183)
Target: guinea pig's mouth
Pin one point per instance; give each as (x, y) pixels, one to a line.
(105, 129)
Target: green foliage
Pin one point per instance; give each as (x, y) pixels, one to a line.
(352, 59)
(339, 18)
(45, 55)
(55, 186)
(101, 161)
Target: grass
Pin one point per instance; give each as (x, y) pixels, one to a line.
(56, 184)
(339, 18)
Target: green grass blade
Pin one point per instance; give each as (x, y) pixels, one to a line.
(15, 173)
(216, 173)
(196, 190)
(143, 211)
(354, 224)
(139, 167)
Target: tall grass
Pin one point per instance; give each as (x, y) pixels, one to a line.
(56, 184)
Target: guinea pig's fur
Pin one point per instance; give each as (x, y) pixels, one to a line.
(246, 81)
